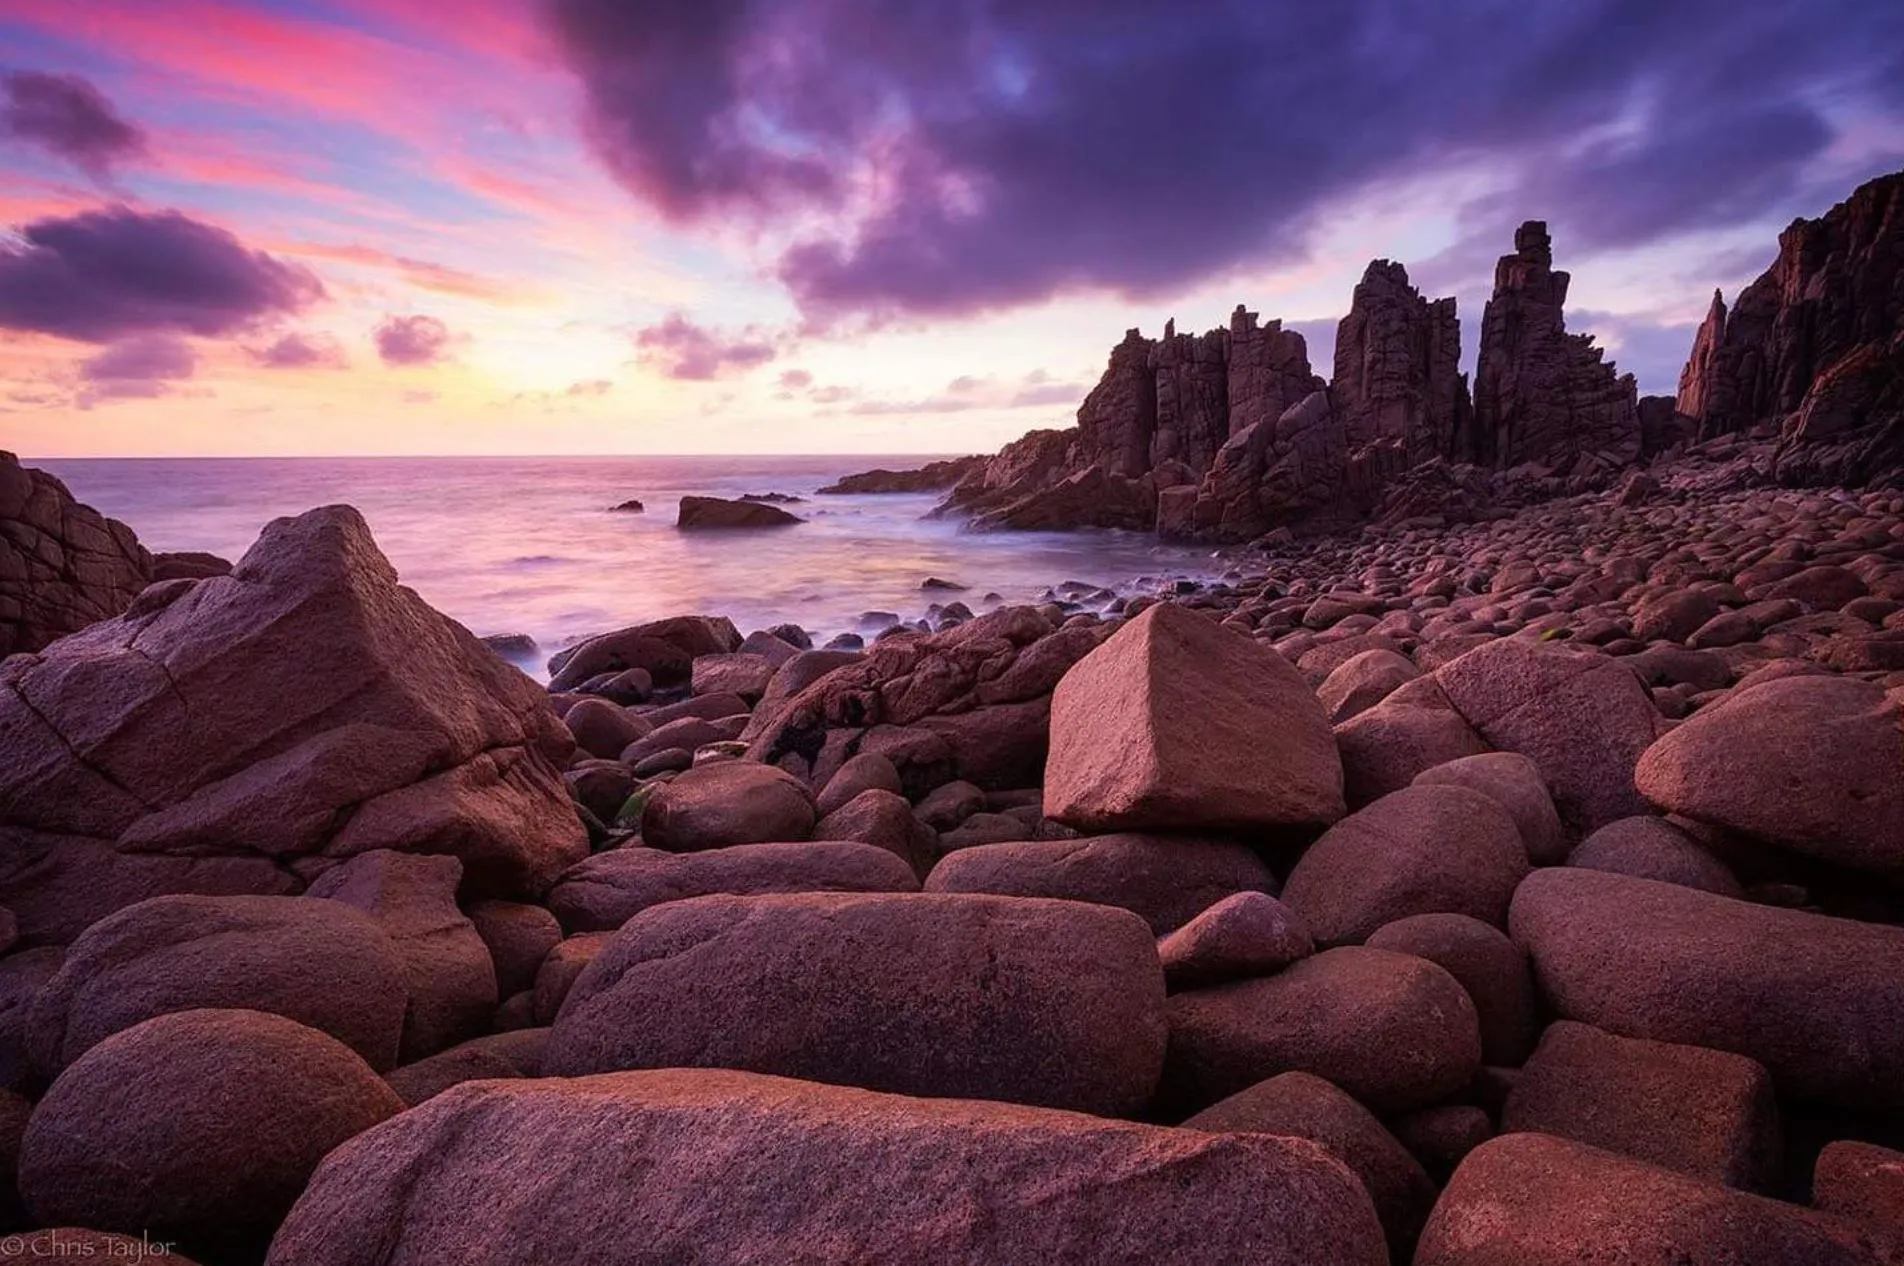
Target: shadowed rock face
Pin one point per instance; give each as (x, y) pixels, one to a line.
(1541, 394)
(63, 565)
(244, 733)
(1815, 346)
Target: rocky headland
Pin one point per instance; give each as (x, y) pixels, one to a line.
(1232, 435)
(1505, 868)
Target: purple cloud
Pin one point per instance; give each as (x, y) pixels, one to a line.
(412, 340)
(683, 350)
(104, 275)
(1046, 146)
(67, 117)
(589, 387)
(796, 380)
(140, 367)
(301, 351)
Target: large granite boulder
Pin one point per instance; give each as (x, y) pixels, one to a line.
(1056, 1003)
(199, 1128)
(452, 978)
(724, 1168)
(321, 963)
(63, 565)
(1168, 880)
(1395, 1031)
(1814, 999)
(607, 890)
(1811, 764)
(1177, 723)
(244, 733)
(1426, 849)
(1536, 1200)
(1707, 1113)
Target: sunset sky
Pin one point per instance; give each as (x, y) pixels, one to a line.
(650, 226)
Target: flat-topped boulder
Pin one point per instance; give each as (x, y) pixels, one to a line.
(712, 513)
(1177, 723)
(1707, 1113)
(607, 890)
(244, 733)
(724, 1168)
(1812, 764)
(1537, 1200)
(1057, 1003)
(1816, 1000)
(1168, 880)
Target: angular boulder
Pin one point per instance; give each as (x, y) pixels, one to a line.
(1054, 1003)
(1814, 999)
(1707, 1113)
(1395, 1031)
(1428, 849)
(1813, 764)
(1179, 723)
(320, 963)
(199, 1127)
(724, 1168)
(608, 889)
(242, 733)
(1581, 717)
(452, 977)
(1167, 880)
(1536, 1200)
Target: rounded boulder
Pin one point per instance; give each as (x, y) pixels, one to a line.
(732, 802)
(200, 1127)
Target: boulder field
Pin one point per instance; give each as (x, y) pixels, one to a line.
(1525, 891)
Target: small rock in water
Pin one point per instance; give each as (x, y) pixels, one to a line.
(514, 647)
(712, 513)
(630, 506)
(934, 582)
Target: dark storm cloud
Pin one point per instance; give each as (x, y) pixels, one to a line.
(977, 154)
(103, 275)
(681, 349)
(412, 340)
(69, 118)
(301, 351)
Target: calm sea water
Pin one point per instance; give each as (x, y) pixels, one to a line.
(529, 545)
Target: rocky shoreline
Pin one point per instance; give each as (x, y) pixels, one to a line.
(1501, 868)
(1546, 864)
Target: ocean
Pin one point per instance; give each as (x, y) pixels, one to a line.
(530, 545)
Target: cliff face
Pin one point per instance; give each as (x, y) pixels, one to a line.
(1542, 395)
(63, 565)
(1230, 434)
(1815, 346)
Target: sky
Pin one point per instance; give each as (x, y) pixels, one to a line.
(293, 227)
